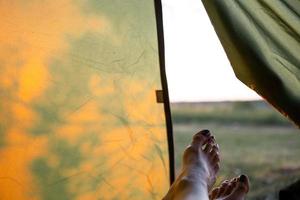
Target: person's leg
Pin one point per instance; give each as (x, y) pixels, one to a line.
(200, 166)
(235, 189)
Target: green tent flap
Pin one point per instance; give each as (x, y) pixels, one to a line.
(262, 41)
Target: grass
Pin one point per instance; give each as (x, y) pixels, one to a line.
(254, 113)
(268, 151)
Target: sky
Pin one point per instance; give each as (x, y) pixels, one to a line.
(196, 64)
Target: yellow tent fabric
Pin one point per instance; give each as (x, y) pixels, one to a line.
(262, 41)
(79, 117)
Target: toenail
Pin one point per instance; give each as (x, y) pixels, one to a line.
(243, 178)
(210, 140)
(205, 132)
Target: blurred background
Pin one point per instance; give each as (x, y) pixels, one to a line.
(205, 94)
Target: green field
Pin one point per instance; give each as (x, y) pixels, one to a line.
(254, 139)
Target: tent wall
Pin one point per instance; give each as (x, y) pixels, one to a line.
(79, 117)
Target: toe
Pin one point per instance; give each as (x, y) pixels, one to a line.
(241, 189)
(243, 183)
(224, 183)
(229, 189)
(222, 189)
(214, 153)
(215, 148)
(213, 156)
(234, 182)
(215, 165)
(204, 132)
(214, 193)
(200, 138)
(221, 192)
(208, 147)
(217, 168)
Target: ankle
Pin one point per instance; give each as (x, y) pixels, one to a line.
(192, 180)
(193, 174)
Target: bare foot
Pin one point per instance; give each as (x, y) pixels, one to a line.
(235, 189)
(200, 166)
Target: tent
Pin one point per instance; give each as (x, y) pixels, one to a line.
(81, 108)
(262, 41)
(84, 109)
